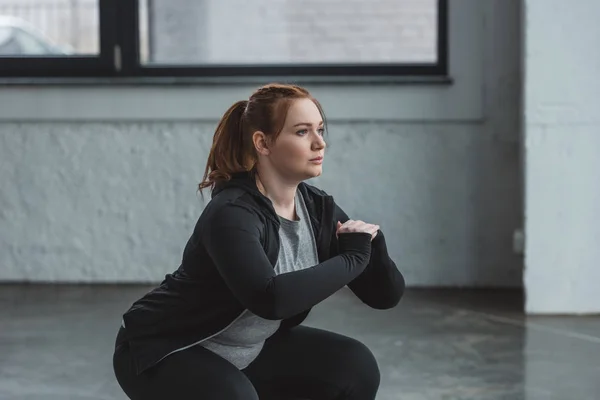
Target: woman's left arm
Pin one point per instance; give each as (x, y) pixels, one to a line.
(381, 284)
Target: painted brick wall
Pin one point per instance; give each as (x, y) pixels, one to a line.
(562, 149)
(99, 201)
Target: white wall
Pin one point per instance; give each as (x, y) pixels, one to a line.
(562, 142)
(99, 181)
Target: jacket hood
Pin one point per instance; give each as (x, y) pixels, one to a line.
(242, 180)
(246, 182)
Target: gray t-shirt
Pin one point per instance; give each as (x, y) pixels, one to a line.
(241, 341)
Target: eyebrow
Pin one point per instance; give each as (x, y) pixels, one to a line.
(306, 124)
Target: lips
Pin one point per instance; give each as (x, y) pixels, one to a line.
(317, 159)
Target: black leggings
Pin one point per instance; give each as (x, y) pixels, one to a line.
(302, 363)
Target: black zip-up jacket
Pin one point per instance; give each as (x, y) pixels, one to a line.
(227, 267)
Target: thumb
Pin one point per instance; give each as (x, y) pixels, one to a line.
(339, 224)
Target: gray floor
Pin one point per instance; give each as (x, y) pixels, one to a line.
(56, 343)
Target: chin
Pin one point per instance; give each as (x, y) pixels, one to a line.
(305, 173)
(313, 173)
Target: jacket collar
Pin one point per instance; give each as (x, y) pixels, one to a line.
(247, 182)
(243, 180)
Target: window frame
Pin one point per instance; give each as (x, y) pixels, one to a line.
(100, 65)
(120, 48)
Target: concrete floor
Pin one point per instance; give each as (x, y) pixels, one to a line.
(56, 343)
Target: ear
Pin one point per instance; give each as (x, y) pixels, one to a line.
(260, 142)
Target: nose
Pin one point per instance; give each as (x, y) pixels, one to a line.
(319, 142)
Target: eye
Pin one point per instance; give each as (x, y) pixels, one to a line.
(321, 131)
(302, 132)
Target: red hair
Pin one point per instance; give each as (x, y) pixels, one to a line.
(232, 148)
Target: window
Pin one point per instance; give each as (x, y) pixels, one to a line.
(223, 38)
(55, 37)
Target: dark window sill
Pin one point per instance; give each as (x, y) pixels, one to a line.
(193, 81)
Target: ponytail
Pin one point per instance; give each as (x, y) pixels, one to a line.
(230, 151)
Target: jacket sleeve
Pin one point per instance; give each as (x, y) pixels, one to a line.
(381, 284)
(232, 238)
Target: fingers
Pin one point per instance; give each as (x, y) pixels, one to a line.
(373, 232)
(357, 226)
(350, 225)
(353, 226)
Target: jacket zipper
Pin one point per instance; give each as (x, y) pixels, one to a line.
(324, 234)
(201, 340)
(325, 231)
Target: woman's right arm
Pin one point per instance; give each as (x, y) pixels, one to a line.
(232, 239)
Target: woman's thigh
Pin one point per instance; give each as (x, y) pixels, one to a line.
(314, 364)
(194, 373)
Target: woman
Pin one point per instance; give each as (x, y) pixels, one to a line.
(266, 249)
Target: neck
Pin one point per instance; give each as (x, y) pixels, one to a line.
(280, 191)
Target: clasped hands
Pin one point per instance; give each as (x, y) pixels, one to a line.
(357, 226)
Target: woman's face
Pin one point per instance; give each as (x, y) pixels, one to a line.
(298, 152)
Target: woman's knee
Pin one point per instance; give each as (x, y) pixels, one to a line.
(196, 373)
(240, 389)
(363, 370)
